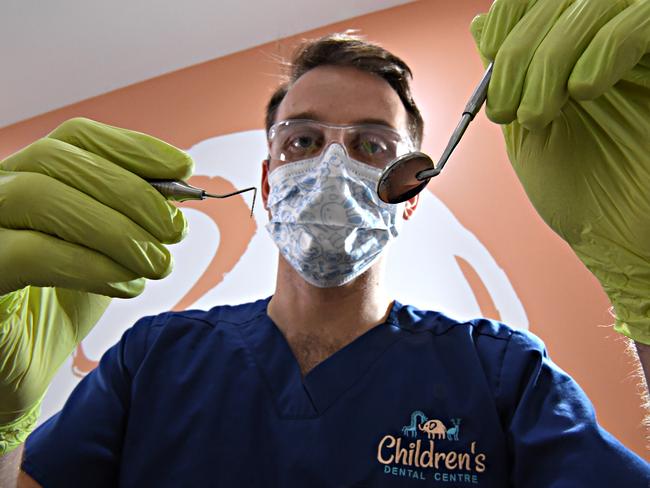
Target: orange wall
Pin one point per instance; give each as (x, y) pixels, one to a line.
(564, 303)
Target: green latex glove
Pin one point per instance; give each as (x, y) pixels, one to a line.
(571, 86)
(78, 225)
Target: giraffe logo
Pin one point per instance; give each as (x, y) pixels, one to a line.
(452, 433)
(411, 430)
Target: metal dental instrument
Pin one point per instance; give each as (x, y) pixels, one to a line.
(471, 109)
(179, 191)
(408, 175)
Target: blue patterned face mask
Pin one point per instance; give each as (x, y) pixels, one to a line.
(326, 218)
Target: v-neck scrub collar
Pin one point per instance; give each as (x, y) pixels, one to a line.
(309, 397)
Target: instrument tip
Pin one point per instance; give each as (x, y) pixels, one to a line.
(226, 195)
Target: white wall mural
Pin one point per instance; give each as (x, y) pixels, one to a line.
(423, 265)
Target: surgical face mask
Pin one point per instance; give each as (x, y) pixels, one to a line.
(326, 218)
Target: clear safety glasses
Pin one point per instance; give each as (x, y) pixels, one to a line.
(373, 144)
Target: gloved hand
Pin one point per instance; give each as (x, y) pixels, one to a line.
(571, 86)
(78, 225)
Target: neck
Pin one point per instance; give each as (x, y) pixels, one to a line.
(326, 319)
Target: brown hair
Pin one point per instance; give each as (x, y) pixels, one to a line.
(351, 50)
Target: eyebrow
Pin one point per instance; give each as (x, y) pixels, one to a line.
(314, 116)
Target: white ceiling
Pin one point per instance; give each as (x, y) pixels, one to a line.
(57, 52)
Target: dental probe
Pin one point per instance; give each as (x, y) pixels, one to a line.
(179, 191)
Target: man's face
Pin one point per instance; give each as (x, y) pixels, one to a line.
(342, 96)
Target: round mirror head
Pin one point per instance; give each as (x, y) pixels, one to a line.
(399, 181)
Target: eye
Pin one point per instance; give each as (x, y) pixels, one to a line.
(302, 143)
(371, 147)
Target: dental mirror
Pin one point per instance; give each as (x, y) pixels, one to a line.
(408, 175)
(399, 181)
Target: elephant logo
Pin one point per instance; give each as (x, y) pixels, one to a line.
(434, 429)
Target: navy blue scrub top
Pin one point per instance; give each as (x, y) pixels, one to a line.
(217, 399)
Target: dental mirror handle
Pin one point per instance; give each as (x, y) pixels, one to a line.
(480, 94)
(474, 104)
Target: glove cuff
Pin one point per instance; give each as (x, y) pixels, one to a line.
(14, 434)
(637, 330)
(632, 309)
(625, 279)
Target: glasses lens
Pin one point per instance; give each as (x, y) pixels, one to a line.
(398, 182)
(294, 140)
(375, 145)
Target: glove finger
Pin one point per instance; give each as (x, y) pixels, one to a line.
(501, 19)
(476, 29)
(104, 181)
(136, 152)
(545, 88)
(514, 57)
(36, 202)
(614, 51)
(37, 259)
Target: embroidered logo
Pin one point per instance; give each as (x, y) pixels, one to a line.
(430, 449)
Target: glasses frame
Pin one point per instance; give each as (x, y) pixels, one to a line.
(402, 137)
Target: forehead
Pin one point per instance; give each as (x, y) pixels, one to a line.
(343, 95)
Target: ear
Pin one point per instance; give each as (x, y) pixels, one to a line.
(265, 182)
(410, 206)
